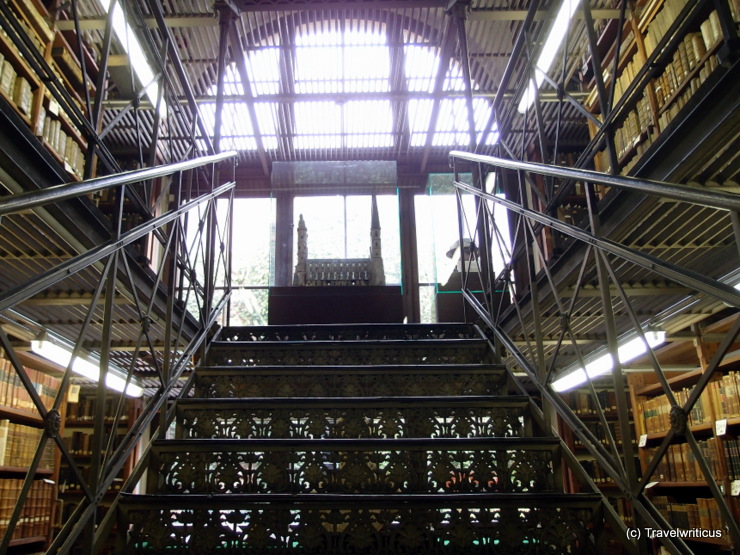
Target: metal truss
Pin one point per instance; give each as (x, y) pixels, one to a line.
(191, 273)
(601, 261)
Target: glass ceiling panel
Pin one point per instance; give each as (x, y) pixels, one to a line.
(263, 67)
(318, 118)
(306, 142)
(267, 117)
(368, 116)
(367, 68)
(350, 57)
(454, 79)
(420, 64)
(420, 113)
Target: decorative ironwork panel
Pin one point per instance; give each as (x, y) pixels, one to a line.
(382, 470)
(362, 530)
(337, 354)
(355, 383)
(352, 422)
(407, 332)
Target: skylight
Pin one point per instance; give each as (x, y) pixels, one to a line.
(341, 72)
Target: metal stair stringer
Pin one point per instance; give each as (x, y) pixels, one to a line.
(360, 439)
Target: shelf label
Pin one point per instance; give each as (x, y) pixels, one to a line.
(53, 107)
(73, 395)
(643, 440)
(735, 488)
(721, 426)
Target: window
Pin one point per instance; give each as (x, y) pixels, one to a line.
(339, 227)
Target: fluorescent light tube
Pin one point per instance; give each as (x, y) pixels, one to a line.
(629, 350)
(136, 55)
(558, 31)
(61, 355)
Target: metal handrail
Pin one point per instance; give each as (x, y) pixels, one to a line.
(33, 199)
(686, 193)
(702, 284)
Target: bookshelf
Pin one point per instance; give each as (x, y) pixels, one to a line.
(21, 428)
(680, 66)
(678, 487)
(584, 405)
(27, 93)
(78, 436)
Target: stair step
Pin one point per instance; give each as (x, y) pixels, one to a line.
(392, 466)
(342, 417)
(350, 380)
(330, 332)
(380, 524)
(348, 352)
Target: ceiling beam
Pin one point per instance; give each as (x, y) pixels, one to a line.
(445, 56)
(210, 19)
(520, 15)
(397, 95)
(237, 52)
(69, 299)
(631, 290)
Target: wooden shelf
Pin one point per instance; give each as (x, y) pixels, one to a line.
(688, 378)
(91, 424)
(27, 541)
(19, 62)
(706, 427)
(697, 484)
(24, 470)
(21, 416)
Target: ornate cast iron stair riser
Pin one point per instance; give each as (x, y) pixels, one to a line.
(356, 417)
(357, 466)
(459, 524)
(378, 439)
(350, 381)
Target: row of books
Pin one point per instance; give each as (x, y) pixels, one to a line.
(720, 399)
(598, 475)
(732, 454)
(686, 57)
(35, 39)
(585, 404)
(597, 429)
(628, 75)
(630, 133)
(572, 214)
(662, 22)
(681, 465)
(14, 395)
(18, 444)
(677, 105)
(35, 519)
(69, 483)
(61, 142)
(16, 87)
(622, 507)
(704, 514)
(47, 125)
(84, 410)
(80, 443)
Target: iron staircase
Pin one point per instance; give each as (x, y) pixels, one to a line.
(356, 439)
